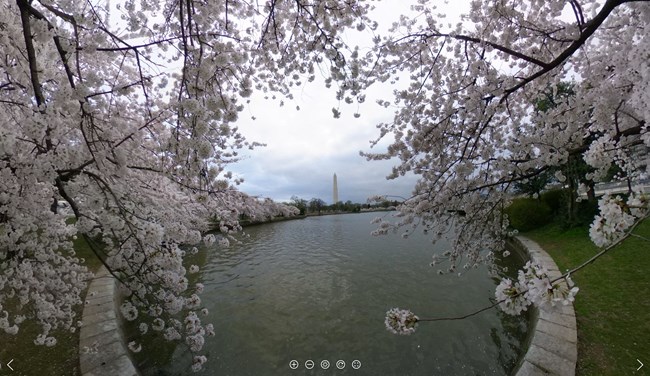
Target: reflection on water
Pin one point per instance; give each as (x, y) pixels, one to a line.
(318, 289)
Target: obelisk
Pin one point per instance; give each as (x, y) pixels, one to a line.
(335, 190)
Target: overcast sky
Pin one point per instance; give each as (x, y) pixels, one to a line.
(306, 148)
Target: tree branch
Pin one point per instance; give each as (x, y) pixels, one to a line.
(563, 276)
(496, 46)
(589, 28)
(31, 52)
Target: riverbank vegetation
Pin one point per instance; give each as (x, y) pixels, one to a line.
(554, 205)
(317, 206)
(613, 319)
(613, 307)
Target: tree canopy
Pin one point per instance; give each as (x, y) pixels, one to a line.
(128, 112)
(469, 123)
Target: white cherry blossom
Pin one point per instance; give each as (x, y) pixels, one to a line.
(131, 121)
(401, 321)
(465, 120)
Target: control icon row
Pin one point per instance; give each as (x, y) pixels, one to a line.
(324, 364)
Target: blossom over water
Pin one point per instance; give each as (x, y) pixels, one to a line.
(510, 295)
(401, 321)
(533, 286)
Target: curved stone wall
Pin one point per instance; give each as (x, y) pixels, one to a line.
(553, 346)
(101, 332)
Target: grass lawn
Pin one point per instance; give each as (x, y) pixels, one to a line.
(61, 359)
(613, 305)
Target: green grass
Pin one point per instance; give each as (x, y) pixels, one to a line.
(61, 359)
(613, 305)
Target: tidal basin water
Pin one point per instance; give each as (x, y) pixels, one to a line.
(318, 289)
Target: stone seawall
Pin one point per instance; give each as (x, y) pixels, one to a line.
(102, 333)
(553, 348)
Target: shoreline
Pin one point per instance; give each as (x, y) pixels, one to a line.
(248, 222)
(102, 342)
(553, 343)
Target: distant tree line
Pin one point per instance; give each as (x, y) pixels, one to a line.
(317, 206)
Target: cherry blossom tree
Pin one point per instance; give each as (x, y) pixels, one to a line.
(127, 111)
(465, 119)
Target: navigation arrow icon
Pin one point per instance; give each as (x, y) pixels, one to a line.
(641, 364)
(9, 364)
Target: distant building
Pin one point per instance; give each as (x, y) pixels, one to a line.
(335, 191)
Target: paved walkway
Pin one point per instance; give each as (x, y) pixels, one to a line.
(554, 345)
(101, 331)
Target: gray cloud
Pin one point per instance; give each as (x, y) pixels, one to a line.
(305, 148)
(312, 177)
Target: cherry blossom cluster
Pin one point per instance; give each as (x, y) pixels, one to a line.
(400, 321)
(134, 346)
(197, 362)
(533, 287)
(195, 338)
(616, 216)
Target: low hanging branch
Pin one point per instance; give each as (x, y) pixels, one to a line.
(403, 322)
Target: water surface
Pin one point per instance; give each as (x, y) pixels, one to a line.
(318, 288)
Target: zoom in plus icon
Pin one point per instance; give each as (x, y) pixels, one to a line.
(293, 364)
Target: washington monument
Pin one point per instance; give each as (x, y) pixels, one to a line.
(335, 191)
